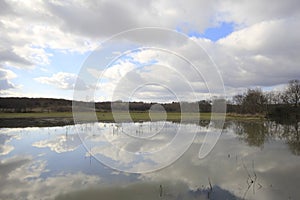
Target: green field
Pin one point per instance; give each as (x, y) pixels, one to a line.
(136, 116)
(36, 115)
(105, 116)
(44, 119)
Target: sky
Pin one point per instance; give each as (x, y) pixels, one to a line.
(48, 48)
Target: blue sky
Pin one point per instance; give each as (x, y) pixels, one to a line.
(44, 45)
(214, 33)
(68, 62)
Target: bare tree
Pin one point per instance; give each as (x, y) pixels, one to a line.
(254, 101)
(273, 97)
(292, 93)
(238, 99)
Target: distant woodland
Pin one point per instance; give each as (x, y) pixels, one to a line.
(279, 104)
(21, 105)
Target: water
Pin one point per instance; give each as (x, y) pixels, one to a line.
(252, 160)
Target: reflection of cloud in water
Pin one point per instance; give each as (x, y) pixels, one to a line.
(225, 167)
(136, 139)
(15, 130)
(133, 153)
(150, 191)
(25, 178)
(276, 169)
(5, 148)
(20, 178)
(60, 143)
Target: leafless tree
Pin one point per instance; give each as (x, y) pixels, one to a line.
(292, 93)
(254, 101)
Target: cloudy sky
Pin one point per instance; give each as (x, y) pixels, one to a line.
(46, 44)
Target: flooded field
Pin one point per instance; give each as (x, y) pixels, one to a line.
(251, 160)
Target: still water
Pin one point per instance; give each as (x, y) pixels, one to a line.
(251, 160)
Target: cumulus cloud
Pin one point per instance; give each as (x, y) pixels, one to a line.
(9, 56)
(159, 74)
(248, 13)
(5, 76)
(28, 28)
(261, 55)
(110, 17)
(63, 80)
(265, 37)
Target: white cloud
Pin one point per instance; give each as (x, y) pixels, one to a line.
(89, 18)
(251, 12)
(262, 55)
(28, 29)
(262, 51)
(63, 80)
(157, 75)
(118, 70)
(5, 77)
(145, 55)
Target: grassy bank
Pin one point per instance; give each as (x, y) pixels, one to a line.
(136, 116)
(36, 115)
(11, 120)
(105, 116)
(235, 116)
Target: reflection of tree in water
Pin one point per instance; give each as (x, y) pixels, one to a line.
(293, 139)
(288, 131)
(253, 133)
(257, 133)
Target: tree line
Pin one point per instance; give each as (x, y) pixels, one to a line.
(280, 104)
(27, 105)
(275, 104)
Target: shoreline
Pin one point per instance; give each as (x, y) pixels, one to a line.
(21, 120)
